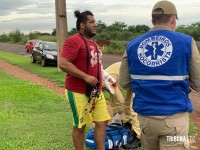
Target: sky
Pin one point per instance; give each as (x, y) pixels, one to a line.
(39, 15)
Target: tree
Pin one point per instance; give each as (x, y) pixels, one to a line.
(16, 35)
(72, 31)
(101, 26)
(117, 26)
(141, 28)
(54, 32)
(131, 28)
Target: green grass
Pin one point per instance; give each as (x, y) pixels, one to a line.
(25, 63)
(192, 129)
(32, 117)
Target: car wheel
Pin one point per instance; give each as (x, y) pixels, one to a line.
(26, 50)
(33, 59)
(44, 63)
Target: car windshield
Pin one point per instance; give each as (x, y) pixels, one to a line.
(50, 46)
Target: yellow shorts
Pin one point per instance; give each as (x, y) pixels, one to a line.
(84, 112)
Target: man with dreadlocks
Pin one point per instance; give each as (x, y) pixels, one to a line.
(81, 59)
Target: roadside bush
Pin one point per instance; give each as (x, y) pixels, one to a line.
(15, 36)
(50, 38)
(42, 36)
(24, 40)
(33, 36)
(4, 38)
(116, 47)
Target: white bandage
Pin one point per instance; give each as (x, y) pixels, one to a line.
(105, 75)
(106, 78)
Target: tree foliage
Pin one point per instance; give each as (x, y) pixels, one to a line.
(16, 35)
(123, 32)
(192, 30)
(117, 31)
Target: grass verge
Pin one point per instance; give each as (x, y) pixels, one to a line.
(32, 117)
(25, 63)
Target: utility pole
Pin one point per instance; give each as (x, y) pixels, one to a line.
(61, 25)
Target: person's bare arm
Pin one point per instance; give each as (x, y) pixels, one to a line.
(72, 70)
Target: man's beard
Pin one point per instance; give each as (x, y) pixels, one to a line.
(89, 33)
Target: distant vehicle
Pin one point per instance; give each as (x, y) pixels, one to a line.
(45, 52)
(30, 45)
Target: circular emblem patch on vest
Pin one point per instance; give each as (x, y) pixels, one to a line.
(155, 51)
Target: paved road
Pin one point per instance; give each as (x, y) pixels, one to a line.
(19, 49)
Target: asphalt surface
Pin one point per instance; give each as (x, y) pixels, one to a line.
(17, 49)
(20, 49)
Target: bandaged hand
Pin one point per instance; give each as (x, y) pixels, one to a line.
(109, 81)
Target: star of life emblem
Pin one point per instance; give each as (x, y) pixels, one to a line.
(155, 51)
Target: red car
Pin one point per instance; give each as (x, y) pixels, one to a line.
(30, 45)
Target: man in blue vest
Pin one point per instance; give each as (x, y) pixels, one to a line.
(160, 66)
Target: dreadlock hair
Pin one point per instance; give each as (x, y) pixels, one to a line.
(81, 17)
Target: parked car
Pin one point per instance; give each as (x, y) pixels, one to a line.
(45, 52)
(30, 45)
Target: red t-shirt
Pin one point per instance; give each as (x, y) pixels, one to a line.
(74, 50)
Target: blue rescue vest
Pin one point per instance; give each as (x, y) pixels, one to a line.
(159, 71)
